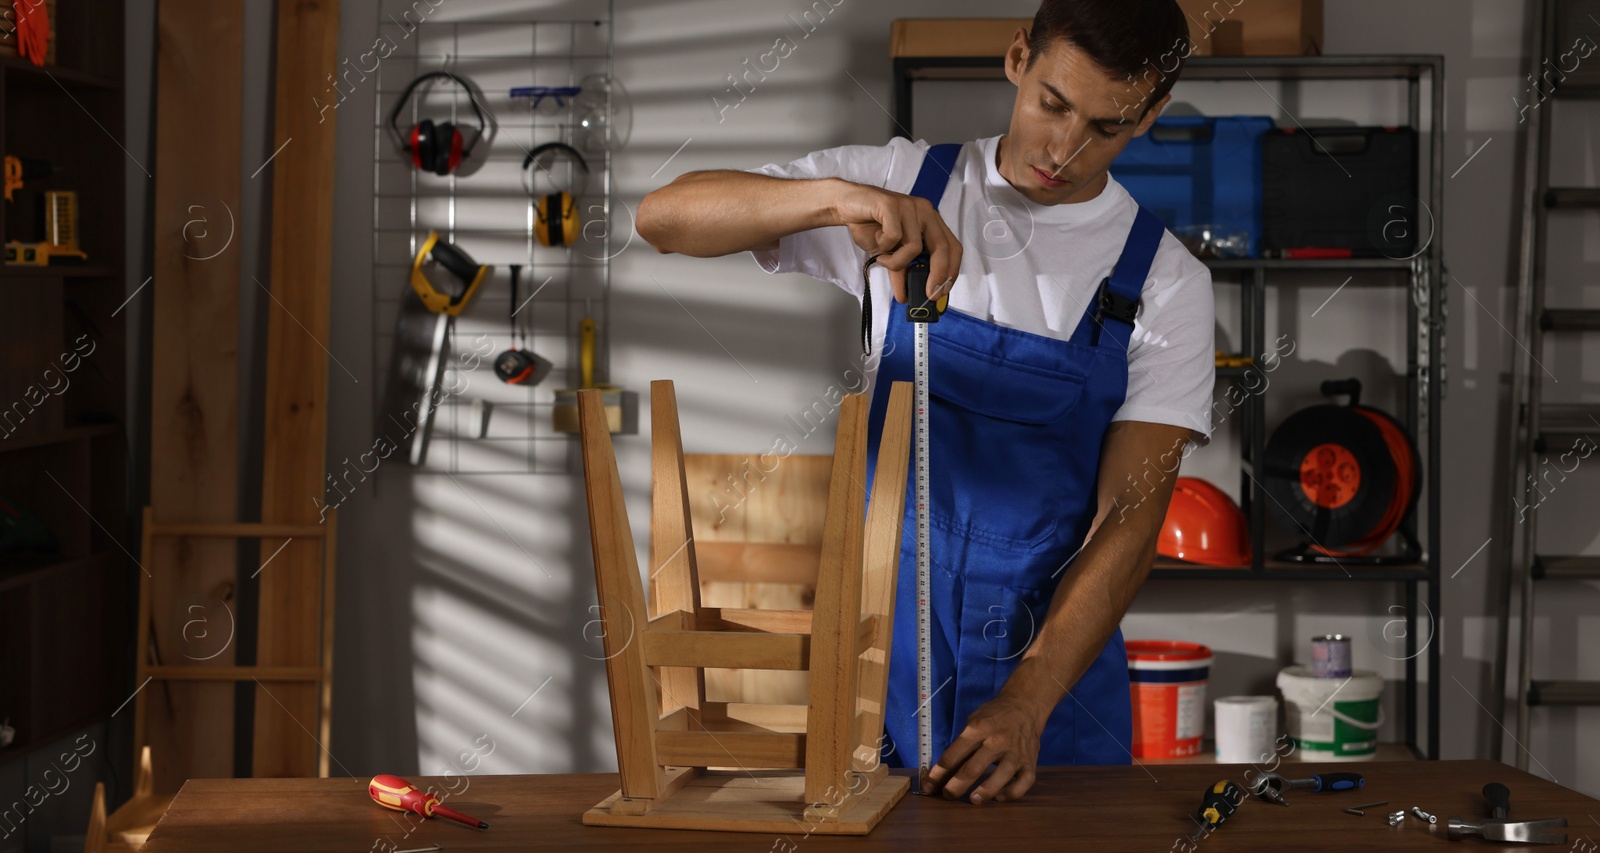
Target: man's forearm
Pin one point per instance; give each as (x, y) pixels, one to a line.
(1138, 468)
(715, 213)
(1084, 612)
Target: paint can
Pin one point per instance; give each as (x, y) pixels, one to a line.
(1330, 656)
(1168, 686)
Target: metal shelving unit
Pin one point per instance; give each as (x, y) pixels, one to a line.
(1422, 275)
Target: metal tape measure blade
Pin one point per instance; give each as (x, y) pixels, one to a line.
(924, 573)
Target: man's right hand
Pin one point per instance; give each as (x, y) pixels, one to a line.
(897, 228)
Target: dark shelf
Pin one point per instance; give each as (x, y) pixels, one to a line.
(85, 271)
(1352, 67)
(20, 570)
(1275, 570)
(1308, 265)
(68, 76)
(1340, 67)
(81, 433)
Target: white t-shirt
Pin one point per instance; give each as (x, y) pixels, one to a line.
(1030, 267)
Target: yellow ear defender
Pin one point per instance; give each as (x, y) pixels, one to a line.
(556, 214)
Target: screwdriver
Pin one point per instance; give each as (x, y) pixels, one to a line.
(392, 792)
(1220, 801)
(1272, 785)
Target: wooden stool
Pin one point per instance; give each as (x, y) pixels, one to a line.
(667, 734)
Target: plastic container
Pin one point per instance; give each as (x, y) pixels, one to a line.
(1343, 729)
(1169, 697)
(1342, 188)
(1247, 729)
(1199, 170)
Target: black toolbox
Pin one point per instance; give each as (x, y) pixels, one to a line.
(1341, 188)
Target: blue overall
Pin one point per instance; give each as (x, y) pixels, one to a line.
(1016, 422)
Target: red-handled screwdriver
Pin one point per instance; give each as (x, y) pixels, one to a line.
(392, 792)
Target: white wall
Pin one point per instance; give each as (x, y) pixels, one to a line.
(460, 598)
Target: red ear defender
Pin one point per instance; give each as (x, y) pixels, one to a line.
(438, 147)
(455, 149)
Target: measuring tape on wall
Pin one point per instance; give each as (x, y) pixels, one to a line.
(920, 311)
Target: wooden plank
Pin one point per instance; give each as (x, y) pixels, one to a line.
(674, 581)
(765, 621)
(772, 508)
(295, 408)
(881, 556)
(745, 716)
(330, 547)
(194, 368)
(727, 650)
(634, 708)
(745, 750)
(831, 739)
(676, 720)
(758, 562)
(866, 634)
(737, 619)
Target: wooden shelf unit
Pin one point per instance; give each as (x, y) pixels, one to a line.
(65, 615)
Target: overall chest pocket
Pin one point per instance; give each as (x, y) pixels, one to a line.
(1001, 431)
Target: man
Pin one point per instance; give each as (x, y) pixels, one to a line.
(1059, 415)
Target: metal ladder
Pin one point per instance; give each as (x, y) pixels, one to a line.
(1540, 430)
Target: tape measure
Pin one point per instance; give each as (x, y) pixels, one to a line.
(920, 311)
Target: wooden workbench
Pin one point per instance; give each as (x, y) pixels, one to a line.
(1133, 808)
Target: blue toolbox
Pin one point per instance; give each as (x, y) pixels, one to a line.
(1199, 170)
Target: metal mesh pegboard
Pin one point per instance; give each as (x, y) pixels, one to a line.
(484, 426)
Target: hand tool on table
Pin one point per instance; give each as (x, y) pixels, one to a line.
(392, 792)
(1219, 803)
(920, 311)
(1270, 786)
(1499, 828)
(1357, 810)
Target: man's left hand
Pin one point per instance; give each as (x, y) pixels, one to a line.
(1003, 732)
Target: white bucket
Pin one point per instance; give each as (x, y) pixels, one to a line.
(1332, 719)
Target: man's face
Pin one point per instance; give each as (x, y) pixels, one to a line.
(1070, 120)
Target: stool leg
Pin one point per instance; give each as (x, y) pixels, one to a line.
(634, 710)
(674, 577)
(884, 525)
(835, 661)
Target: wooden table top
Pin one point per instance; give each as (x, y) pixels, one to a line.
(1134, 808)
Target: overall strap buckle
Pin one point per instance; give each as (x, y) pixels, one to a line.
(1114, 305)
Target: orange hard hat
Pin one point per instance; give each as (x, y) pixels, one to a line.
(1204, 526)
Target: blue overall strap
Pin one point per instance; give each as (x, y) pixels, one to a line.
(938, 164)
(1119, 293)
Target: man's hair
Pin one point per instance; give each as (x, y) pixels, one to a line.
(1143, 42)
